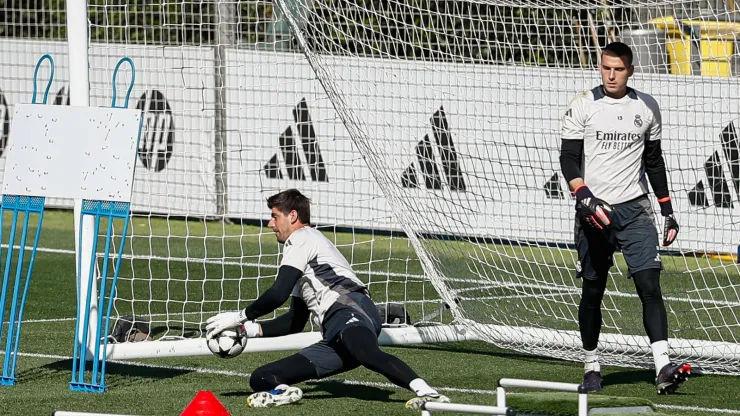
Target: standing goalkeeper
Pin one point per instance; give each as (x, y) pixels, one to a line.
(610, 146)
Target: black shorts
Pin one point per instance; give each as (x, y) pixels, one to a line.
(327, 355)
(633, 231)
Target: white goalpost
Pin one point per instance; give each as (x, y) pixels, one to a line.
(426, 134)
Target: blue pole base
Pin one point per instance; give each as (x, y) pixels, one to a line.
(7, 381)
(87, 388)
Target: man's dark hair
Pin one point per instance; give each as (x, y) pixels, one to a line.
(619, 50)
(289, 200)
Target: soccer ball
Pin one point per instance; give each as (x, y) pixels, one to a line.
(227, 344)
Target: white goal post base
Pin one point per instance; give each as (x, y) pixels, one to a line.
(197, 346)
(532, 337)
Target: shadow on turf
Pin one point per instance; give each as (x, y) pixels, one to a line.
(481, 348)
(129, 374)
(337, 390)
(633, 377)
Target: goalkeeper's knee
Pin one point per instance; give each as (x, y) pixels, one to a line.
(647, 284)
(592, 292)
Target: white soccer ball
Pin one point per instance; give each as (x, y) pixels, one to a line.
(227, 344)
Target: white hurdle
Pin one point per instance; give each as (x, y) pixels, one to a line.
(430, 407)
(510, 383)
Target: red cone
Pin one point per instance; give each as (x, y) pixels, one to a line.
(205, 403)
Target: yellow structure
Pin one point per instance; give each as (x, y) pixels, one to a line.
(716, 45)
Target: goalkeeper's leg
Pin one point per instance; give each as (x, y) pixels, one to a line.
(595, 258)
(668, 376)
(639, 244)
(352, 326)
(273, 382)
(361, 344)
(589, 322)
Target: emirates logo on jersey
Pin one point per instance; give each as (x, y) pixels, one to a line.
(638, 121)
(612, 140)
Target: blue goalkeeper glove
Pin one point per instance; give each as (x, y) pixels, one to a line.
(595, 212)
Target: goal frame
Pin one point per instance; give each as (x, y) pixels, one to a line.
(401, 335)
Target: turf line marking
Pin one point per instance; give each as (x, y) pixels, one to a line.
(350, 382)
(698, 409)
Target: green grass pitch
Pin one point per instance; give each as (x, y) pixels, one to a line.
(466, 372)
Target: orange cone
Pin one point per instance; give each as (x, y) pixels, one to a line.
(205, 403)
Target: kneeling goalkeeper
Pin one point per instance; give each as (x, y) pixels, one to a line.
(319, 281)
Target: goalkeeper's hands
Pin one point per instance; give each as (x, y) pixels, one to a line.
(670, 227)
(670, 230)
(595, 211)
(223, 321)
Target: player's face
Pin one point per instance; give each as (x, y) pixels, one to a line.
(281, 224)
(614, 75)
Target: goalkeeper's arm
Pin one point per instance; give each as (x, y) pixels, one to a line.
(273, 297)
(656, 173)
(571, 155)
(288, 323)
(276, 295)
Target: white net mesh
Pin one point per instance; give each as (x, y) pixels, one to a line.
(438, 119)
(232, 116)
(456, 108)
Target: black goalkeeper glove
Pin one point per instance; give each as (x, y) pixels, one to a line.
(670, 228)
(594, 211)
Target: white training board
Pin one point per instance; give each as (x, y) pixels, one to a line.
(72, 152)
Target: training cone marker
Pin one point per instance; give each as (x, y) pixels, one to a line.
(205, 403)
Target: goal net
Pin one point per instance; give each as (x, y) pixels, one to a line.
(456, 108)
(426, 134)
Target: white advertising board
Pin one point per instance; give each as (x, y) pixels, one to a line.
(504, 127)
(488, 167)
(175, 156)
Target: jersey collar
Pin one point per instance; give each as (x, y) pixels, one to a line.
(600, 94)
(288, 242)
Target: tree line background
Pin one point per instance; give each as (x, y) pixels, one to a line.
(438, 30)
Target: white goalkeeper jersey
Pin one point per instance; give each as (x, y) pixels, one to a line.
(326, 273)
(614, 132)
